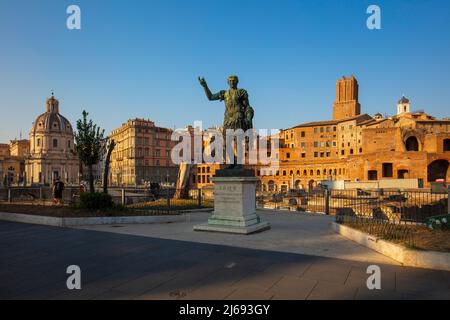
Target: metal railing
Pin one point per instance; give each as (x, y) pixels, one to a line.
(384, 229)
(150, 200)
(385, 205)
(36, 195)
(161, 200)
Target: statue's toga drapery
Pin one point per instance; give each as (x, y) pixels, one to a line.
(238, 112)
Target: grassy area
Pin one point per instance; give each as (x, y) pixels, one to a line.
(175, 204)
(415, 237)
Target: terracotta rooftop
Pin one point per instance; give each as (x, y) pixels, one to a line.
(327, 122)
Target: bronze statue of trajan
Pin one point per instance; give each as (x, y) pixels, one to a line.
(238, 112)
(238, 115)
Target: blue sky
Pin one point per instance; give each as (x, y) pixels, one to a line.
(142, 58)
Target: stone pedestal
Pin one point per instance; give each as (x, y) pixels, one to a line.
(234, 207)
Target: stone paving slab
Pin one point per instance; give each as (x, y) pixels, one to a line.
(120, 266)
(309, 234)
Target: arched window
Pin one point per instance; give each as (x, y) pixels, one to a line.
(412, 144)
(55, 143)
(437, 170)
(305, 172)
(311, 172)
(318, 172)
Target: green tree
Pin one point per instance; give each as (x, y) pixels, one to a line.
(90, 145)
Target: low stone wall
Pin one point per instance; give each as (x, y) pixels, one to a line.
(84, 221)
(376, 184)
(407, 257)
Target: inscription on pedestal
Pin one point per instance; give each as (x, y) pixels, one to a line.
(225, 194)
(234, 207)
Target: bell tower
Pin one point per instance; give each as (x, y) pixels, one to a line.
(403, 106)
(346, 104)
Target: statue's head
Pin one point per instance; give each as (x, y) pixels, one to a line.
(233, 81)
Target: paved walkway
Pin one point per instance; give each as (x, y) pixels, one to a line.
(116, 266)
(290, 232)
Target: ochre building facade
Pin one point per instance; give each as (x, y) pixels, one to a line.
(142, 154)
(354, 147)
(12, 162)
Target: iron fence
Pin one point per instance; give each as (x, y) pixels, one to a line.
(151, 200)
(36, 195)
(163, 200)
(309, 201)
(413, 206)
(384, 229)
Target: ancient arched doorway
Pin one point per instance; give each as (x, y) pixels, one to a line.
(298, 186)
(311, 184)
(437, 170)
(412, 144)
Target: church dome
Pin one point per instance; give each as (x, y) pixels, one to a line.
(51, 121)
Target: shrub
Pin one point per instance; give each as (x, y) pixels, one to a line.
(95, 201)
(439, 222)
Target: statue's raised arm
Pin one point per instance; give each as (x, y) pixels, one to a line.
(209, 95)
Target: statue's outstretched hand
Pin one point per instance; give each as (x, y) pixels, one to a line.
(202, 81)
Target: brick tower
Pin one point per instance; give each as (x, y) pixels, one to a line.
(346, 104)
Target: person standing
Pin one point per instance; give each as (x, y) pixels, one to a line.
(58, 188)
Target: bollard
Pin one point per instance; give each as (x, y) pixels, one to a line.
(9, 195)
(123, 197)
(327, 202)
(448, 199)
(168, 199)
(199, 197)
(40, 193)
